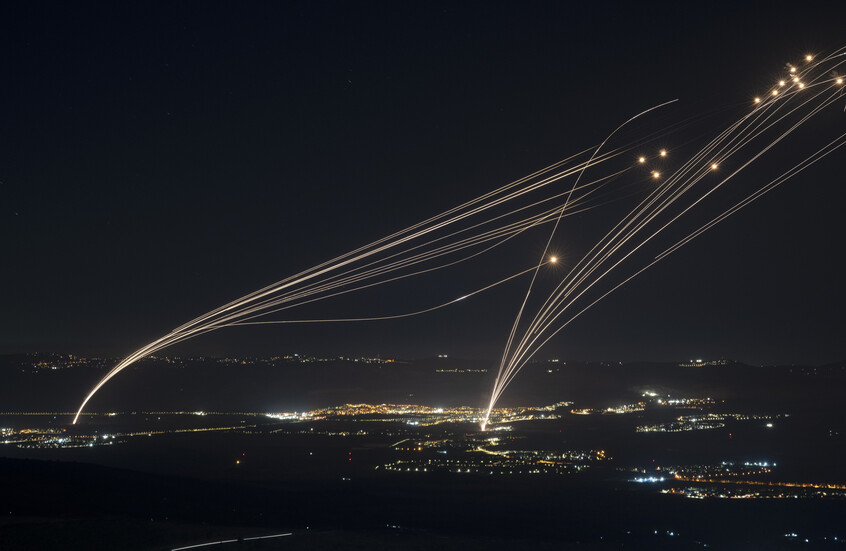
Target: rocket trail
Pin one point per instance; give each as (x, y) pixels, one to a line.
(516, 324)
(405, 315)
(664, 185)
(772, 120)
(456, 235)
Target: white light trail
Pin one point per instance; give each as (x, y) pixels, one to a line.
(221, 542)
(766, 126)
(496, 220)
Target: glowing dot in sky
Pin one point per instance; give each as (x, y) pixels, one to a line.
(656, 174)
(553, 259)
(663, 152)
(714, 166)
(642, 160)
(757, 100)
(809, 57)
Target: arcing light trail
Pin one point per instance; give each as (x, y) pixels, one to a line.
(517, 320)
(768, 124)
(459, 233)
(552, 260)
(494, 221)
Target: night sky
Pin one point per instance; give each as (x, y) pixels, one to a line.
(157, 161)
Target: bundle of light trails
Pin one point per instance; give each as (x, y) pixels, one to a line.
(667, 196)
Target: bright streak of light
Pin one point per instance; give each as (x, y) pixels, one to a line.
(203, 545)
(595, 154)
(268, 537)
(221, 542)
(392, 316)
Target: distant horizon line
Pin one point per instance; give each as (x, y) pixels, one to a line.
(294, 357)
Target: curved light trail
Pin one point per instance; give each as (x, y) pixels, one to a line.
(813, 89)
(492, 222)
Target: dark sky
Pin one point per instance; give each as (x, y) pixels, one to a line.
(158, 160)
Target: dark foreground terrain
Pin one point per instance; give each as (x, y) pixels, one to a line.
(167, 482)
(61, 505)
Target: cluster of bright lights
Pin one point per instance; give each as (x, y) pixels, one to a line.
(663, 153)
(649, 479)
(655, 173)
(794, 78)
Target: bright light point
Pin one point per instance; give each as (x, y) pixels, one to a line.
(801, 85)
(553, 259)
(656, 174)
(781, 83)
(714, 166)
(663, 152)
(795, 79)
(775, 92)
(839, 81)
(757, 100)
(641, 160)
(793, 69)
(809, 57)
